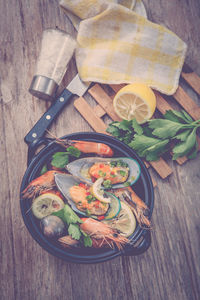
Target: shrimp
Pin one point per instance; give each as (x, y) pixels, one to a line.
(102, 234)
(138, 207)
(41, 184)
(85, 201)
(85, 146)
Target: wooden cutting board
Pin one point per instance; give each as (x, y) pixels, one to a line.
(94, 115)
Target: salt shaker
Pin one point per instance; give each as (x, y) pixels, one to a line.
(57, 48)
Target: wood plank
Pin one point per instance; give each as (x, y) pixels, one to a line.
(104, 100)
(117, 87)
(187, 103)
(99, 111)
(161, 167)
(88, 113)
(192, 79)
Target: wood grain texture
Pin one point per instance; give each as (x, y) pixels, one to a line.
(170, 269)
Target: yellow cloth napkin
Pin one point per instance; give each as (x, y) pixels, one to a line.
(118, 45)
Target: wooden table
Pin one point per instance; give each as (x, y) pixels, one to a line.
(170, 269)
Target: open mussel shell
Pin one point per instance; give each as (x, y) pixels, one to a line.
(80, 168)
(65, 181)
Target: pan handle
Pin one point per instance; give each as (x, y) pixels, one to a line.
(34, 146)
(142, 247)
(38, 131)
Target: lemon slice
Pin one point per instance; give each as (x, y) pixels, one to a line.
(135, 100)
(98, 192)
(45, 204)
(125, 221)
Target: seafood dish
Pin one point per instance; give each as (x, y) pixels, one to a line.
(84, 197)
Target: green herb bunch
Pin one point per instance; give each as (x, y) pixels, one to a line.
(176, 132)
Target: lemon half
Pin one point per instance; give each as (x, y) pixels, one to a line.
(135, 100)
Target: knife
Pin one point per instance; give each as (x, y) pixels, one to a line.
(75, 87)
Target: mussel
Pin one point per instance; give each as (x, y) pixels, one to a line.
(81, 199)
(119, 172)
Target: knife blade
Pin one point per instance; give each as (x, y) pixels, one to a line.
(75, 87)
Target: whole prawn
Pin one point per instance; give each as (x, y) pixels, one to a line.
(138, 207)
(85, 146)
(101, 235)
(41, 184)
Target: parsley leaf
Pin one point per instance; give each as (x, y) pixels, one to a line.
(60, 160)
(74, 231)
(70, 216)
(148, 146)
(60, 214)
(164, 128)
(137, 128)
(193, 153)
(182, 135)
(87, 241)
(113, 130)
(187, 116)
(73, 151)
(123, 125)
(44, 170)
(183, 148)
(177, 116)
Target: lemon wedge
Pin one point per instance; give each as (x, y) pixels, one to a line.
(125, 221)
(98, 192)
(45, 204)
(135, 100)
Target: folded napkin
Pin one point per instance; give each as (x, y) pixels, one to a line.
(119, 45)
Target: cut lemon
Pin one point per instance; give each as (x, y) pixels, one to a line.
(45, 204)
(98, 192)
(125, 221)
(135, 100)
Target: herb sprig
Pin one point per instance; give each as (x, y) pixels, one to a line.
(61, 159)
(73, 221)
(176, 132)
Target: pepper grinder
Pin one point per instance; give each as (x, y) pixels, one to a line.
(57, 48)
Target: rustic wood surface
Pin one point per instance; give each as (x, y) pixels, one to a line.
(170, 269)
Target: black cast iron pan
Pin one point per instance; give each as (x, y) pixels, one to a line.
(141, 238)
